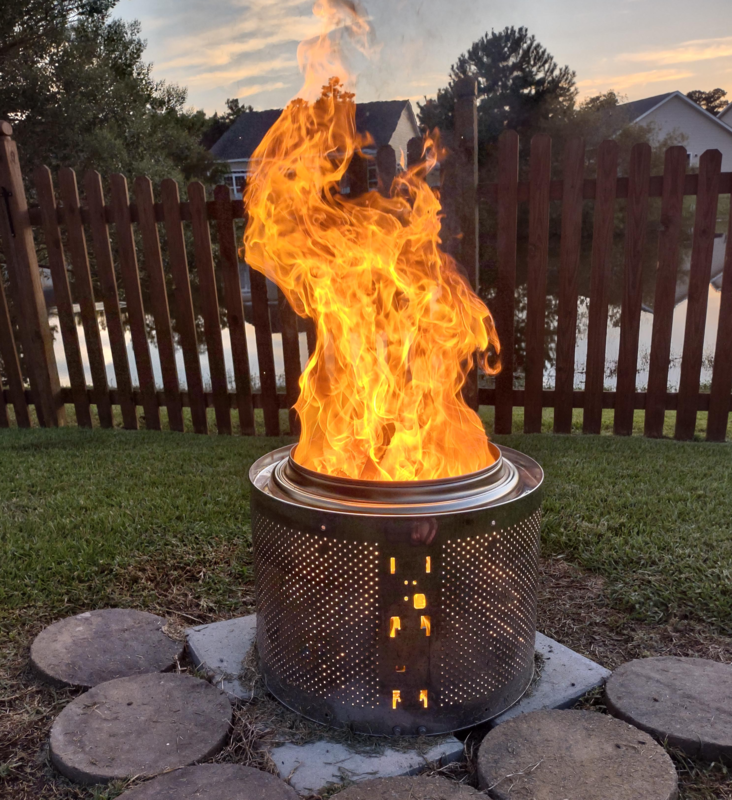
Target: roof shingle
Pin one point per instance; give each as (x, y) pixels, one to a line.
(241, 140)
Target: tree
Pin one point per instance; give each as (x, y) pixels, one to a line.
(520, 86)
(220, 123)
(74, 85)
(29, 25)
(713, 101)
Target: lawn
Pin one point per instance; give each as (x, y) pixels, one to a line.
(92, 518)
(161, 521)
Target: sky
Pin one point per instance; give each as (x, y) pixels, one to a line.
(247, 48)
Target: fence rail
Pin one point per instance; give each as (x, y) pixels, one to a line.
(69, 228)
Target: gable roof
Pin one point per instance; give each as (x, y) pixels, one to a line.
(638, 110)
(726, 115)
(241, 140)
(380, 119)
(243, 137)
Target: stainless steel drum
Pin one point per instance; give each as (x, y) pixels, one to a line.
(397, 608)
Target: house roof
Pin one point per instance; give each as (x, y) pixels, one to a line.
(639, 108)
(379, 119)
(726, 115)
(629, 113)
(241, 140)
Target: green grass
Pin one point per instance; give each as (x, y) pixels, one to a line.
(102, 517)
(91, 518)
(653, 516)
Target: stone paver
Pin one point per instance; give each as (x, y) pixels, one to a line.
(577, 755)
(315, 766)
(686, 701)
(420, 788)
(218, 650)
(98, 646)
(213, 782)
(566, 676)
(139, 726)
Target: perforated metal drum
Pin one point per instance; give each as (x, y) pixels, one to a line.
(397, 608)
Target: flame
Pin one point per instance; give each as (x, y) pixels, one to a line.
(397, 324)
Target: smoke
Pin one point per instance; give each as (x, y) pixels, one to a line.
(325, 56)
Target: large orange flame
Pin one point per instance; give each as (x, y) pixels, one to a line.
(397, 324)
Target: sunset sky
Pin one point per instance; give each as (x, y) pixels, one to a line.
(247, 48)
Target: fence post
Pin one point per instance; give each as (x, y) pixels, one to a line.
(25, 284)
(466, 206)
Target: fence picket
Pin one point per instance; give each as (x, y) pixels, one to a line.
(62, 295)
(386, 167)
(291, 354)
(571, 240)
(265, 353)
(184, 302)
(702, 252)
(209, 306)
(234, 308)
(133, 297)
(4, 419)
(415, 151)
(85, 293)
(603, 227)
(504, 303)
(672, 209)
(464, 161)
(11, 364)
(159, 300)
(630, 312)
(21, 264)
(311, 335)
(721, 390)
(540, 169)
(110, 297)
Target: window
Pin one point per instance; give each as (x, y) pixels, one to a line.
(373, 175)
(235, 181)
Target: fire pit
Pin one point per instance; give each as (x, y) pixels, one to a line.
(400, 608)
(395, 547)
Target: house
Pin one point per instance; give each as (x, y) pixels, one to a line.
(674, 112)
(726, 115)
(388, 121)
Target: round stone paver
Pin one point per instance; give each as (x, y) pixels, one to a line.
(98, 646)
(139, 726)
(577, 755)
(213, 782)
(419, 788)
(685, 701)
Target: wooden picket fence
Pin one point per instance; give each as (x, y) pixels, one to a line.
(462, 193)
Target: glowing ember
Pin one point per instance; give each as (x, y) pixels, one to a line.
(397, 324)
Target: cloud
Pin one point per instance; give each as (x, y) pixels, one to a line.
(621, 83)
(242, 72)
(238, 42)
(686, 52)
(259, 87)
(221, 52)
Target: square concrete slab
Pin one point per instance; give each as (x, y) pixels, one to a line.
(218, 650)
(566, 676)
(316, 766)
